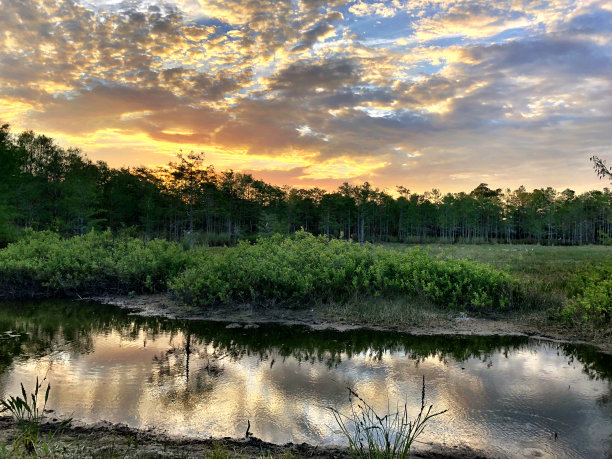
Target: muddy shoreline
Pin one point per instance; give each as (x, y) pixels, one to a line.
(104, 439)
(438, 323)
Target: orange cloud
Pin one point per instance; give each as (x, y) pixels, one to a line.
(316, 92)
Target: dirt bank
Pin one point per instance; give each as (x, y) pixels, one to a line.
(104, 439)
(428, 321)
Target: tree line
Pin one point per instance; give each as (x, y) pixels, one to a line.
(46, 187)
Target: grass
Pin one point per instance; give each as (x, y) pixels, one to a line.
(392, 435)
(570, 284)
(28, 414)
(389, 313)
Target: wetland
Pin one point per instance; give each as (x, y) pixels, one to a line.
(505, 395)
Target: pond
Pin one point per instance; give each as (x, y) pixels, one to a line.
(506, 396)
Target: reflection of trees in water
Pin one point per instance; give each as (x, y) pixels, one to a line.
(596, 365)
(48, 327)
(186, 372)
(71, 327)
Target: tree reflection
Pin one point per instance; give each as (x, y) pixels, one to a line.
(34, 329)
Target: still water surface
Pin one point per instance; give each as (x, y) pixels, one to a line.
(506, 396)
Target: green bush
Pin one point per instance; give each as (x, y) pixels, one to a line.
(41, 263)
(591, 296)
(305, 268)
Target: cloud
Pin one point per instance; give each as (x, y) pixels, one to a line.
(306, 76)
(315, 89)
(472, 20)
(549, 56)
(321, 31)
(381, 9)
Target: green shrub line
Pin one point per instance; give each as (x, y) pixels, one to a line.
(289, 271)
(304, 269)
(590, 299)
(43, 264)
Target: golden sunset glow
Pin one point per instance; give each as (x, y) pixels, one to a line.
(318, 92)
(143, 379)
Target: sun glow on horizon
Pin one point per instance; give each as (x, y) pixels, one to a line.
(320, 92)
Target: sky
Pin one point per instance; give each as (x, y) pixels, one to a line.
(419, 93)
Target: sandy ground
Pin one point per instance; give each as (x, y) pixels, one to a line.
(441, 323)
(106, 440)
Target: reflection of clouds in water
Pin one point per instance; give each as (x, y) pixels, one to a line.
(500, 401)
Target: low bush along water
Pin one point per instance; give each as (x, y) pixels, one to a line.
(42, 263)
(307, 268)
(590, 293)
(296, 270)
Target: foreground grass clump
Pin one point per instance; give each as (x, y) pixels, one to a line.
(42, 263)
(28, 413)
(392, 435)
(306, 268)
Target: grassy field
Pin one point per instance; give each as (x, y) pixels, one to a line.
(519, 258)
(552, 268)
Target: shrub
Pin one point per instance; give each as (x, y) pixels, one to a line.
(591, 296)
(305, 268)
(41, 263)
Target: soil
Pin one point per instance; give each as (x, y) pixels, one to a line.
(533, 325)
(106, 440)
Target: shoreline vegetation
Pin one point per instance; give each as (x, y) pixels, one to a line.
(368, 284)
(107, 440)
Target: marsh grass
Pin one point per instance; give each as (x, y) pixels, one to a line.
(303, 269)
(28, 413)
(389, 436)
(397, 312)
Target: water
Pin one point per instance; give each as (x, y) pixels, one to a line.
(506, 396)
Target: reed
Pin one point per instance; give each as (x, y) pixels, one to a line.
(28, 413)
(390, 436)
